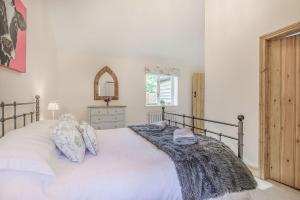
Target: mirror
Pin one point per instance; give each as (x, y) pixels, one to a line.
(106, 85)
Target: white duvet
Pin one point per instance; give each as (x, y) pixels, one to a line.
(126, 168)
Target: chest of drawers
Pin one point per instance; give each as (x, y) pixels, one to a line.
(107, 117)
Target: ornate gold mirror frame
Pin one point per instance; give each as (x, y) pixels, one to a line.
(104, 70)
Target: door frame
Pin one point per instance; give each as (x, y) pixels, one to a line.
(264, 93)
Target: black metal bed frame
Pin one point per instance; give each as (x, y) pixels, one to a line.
(165, 114)
(15, 116)
(239, 126)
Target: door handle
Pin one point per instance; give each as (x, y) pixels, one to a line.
(195, 94)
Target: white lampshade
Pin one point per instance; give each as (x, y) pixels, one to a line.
(53, 106)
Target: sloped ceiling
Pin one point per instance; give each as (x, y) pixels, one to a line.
(172, 29)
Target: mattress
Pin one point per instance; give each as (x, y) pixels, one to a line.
(126, 168)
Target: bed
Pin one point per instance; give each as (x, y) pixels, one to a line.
(128, 167)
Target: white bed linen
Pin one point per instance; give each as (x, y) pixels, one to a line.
(126, 168)
(28, 149)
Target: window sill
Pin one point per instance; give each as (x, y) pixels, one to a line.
(161, 106)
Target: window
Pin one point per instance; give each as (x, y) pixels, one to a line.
(161, 89)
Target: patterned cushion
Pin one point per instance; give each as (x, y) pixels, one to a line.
(89, 137)
(69, 118)
(69, 141)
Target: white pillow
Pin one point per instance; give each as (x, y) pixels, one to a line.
(26, 161)
(69, 141)
(89, 137)
(28, 149)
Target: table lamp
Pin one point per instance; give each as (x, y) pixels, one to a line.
(53, 106)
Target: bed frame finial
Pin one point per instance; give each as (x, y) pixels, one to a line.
(241, 119)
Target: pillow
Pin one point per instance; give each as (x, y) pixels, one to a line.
(28, 149)
(89, 137)
(26, 161)
(69, 118)
(69, 141)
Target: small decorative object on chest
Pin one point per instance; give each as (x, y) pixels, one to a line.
(107, 117)
(107, 100)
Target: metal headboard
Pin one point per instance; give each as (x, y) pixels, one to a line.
(239, 126)
(15, 116)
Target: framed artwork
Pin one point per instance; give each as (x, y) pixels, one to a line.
(13, 15)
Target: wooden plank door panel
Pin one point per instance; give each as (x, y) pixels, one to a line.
(284, 110)
(195, 84)
(288, 90)
(197, 114)
(202, 99)
(297, 142)
(198, 98)
(275, 109)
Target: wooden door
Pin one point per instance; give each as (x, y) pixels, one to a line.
(284, 110)
(198, 98)
(297, 148)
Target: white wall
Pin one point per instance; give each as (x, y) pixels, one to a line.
(39, 78)
(232, 32)
(127, 36)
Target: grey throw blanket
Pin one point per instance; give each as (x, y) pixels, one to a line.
(207, 169)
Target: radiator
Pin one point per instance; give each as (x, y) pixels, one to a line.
(154, 116)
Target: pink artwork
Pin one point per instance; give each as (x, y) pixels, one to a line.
(13, 26)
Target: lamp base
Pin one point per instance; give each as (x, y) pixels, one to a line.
(53, 115)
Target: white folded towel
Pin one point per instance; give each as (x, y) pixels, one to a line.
(184, 137)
